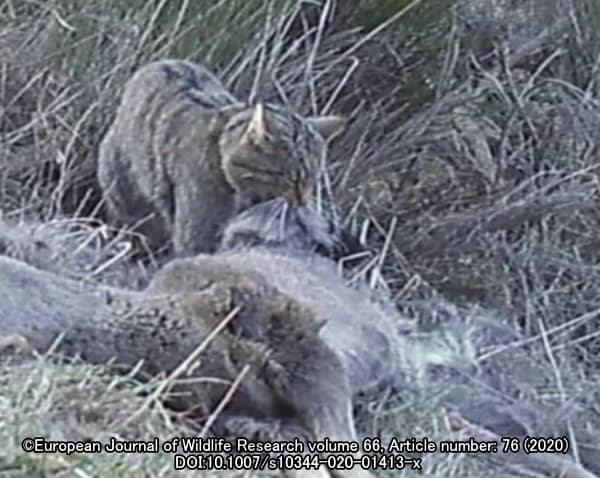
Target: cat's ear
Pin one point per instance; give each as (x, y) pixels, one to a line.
(257, 130)
(328, 126)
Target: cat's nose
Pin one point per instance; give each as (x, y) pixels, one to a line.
(300, 194)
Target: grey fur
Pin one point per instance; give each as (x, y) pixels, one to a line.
(275, 224)
(363, 327)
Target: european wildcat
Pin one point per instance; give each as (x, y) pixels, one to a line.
(183, 155)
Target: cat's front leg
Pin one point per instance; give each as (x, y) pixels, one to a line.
(197, 217)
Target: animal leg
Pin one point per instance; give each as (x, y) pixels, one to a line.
(321, 397)
(196, 223)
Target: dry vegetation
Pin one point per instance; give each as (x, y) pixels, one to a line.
(471, 166)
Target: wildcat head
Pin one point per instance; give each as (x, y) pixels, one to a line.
(269, 152)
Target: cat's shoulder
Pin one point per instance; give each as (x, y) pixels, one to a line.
(175, 82)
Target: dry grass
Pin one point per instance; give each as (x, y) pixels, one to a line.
(471, 165)
(80, 402)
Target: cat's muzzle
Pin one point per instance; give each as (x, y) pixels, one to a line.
(299, 195)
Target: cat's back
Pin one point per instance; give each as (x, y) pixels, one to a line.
(164, 89)
(178, 76)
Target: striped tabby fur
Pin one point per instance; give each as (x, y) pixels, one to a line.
(183, 155)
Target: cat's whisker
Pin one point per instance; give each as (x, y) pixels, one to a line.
(282, 223)
(272, 218)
